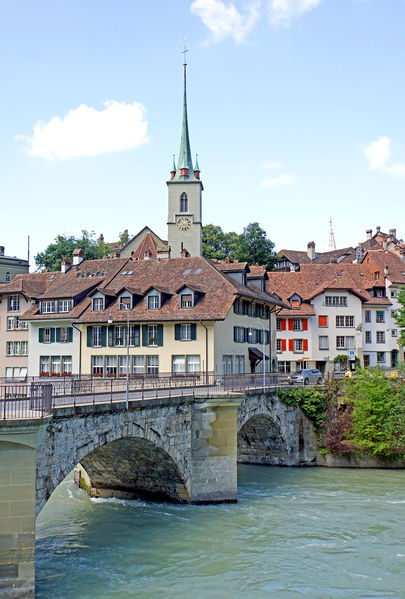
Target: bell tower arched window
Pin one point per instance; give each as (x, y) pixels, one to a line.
(183, 202)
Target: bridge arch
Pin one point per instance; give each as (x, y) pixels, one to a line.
(260, 441)
(114, 448)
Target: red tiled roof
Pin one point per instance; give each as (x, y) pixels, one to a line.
(387, 263)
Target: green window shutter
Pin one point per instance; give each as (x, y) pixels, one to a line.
(52, 335)
(41, 335)
(110, 336)
(235, 334)
(177, 332)
(136, 335)
(57, 334)
(89, 336)
(103, 336)
(160, 335)
(193, 331)
(144, 335)
(70, 334)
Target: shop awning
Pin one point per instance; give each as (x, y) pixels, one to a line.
(255, 354)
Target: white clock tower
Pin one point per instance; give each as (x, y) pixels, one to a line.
(184, 203)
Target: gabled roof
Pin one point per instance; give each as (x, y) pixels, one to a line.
(231, 266)
(30, 284)
(387, 263)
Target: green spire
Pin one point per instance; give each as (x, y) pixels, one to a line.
(196, 167)
(185, 160)
(174, 164)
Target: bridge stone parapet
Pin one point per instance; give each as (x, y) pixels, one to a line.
(270, 432)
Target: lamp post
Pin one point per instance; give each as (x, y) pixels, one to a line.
(264, 356)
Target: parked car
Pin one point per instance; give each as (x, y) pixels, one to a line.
(307, 376)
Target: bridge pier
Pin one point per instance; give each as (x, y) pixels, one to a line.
(18, 447)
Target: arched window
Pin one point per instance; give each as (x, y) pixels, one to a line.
(183, 202)
(8, 277)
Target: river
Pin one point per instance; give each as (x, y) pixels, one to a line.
(314, 533)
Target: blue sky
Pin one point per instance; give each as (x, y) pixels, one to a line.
(295, 110)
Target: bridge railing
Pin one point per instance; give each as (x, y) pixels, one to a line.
(39, 398)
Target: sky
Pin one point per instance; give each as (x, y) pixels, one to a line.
(296, 111)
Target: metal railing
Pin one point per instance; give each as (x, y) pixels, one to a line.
(39, 398)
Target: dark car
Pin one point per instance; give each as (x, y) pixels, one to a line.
(307, 376)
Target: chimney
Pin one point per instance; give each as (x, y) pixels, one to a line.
(311, 250)
(393, 233)
(1, 250)
(77, 256)
(369, 233)
(147, 255)
(65, 265)
(378, 229)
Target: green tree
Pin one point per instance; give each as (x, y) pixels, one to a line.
(213, 242)
(400, 317)
(255, 248)
(63, 246)
(124, 237)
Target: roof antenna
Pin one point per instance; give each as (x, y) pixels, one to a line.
(331, 238)
(184, 52)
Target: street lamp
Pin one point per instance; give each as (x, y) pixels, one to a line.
(264, 356)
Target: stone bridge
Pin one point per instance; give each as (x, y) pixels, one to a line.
(183, 449)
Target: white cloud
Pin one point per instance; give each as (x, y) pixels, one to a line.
(276, 181)
(86, 131)
(283, 11)
(378, 153)
(225, 20)
(274, 164)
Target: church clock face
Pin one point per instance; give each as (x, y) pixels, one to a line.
(184, 223)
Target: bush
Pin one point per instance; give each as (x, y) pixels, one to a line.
(311, 401)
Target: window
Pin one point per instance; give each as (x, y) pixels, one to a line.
(153, 302)
(97, 366)
(185, 332)
(297, 324)
(340, 342)
(295, 304)
(44, 365)
(65, 305)
(67, 365)
(178, 364)
(349, 321)
(393, 293)
(349, 342)
(335, 300)
(345, 321)
(13, 303)
(394, 332)
(122, 365)
(322, 321)
(183, 202)
(380, 316)
(186, 300)
(278, 344)
(152, 364)
(381, 357)
(380, 336)
(367, 316)
(237, 307)
(284, 367)
(239, 334)
(119, 336)
(193, 364)
(97, 336)
(47, 335)
(134, 335)
(55, 365)
(98, 304)
(125, 303)
(152, 335)
(111, 366)
(8, 277)
(298, 345)
(367, 337)
(278, 324)
(323, 342)
(138, 364)
(393, 313)
(10, 323)
(48, 307)
(239, 364)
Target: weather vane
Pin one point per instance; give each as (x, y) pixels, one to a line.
(184, 52)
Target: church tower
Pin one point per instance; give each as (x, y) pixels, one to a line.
(185, 191)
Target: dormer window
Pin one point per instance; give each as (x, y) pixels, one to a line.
(8, 277)
(186, 300)
(183, 202)
(125, 303)
(98, 304)
(48, 307)
(154, 301)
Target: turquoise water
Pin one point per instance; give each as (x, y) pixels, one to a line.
(295, 533)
